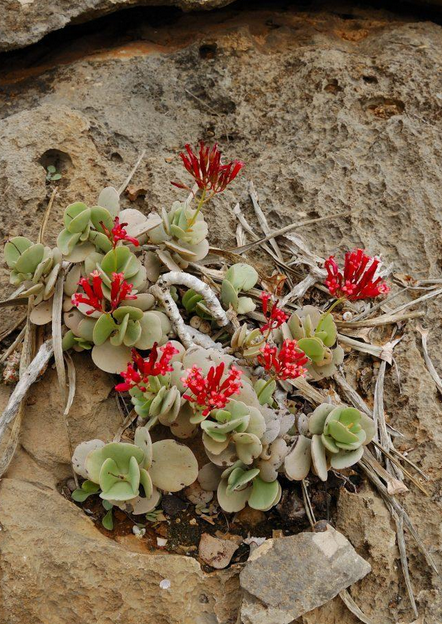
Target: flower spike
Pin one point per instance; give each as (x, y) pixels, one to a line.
(207, 169)
(209, 392)
(359, 280)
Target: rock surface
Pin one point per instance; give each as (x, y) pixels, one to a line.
(331, 110)
(24, 22)
(286, 577)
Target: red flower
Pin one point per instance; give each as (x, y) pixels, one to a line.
(141, 369)
(287, 363)
(120, 290)
(275, 316)
(93, 292)
(207, 169)
(118, 233)
(208, 390)
(359, 279)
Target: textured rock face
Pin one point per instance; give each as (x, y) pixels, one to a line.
(330, 114)
(24, 22)
(74, 573)
(289, 576)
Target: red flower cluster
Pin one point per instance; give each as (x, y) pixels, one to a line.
(93, 292)
(275, 316)
(358, 281)
(287, 363)
(120, 290)
(207, 169)
(208, 391)
(140, 370)
(118, 233)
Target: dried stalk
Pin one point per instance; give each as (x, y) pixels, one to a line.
(353, 607)
(288, 228)
(13, 346)
(383, 352)
(410, 304)
(57, 311)
(13, 409)
(391, 501)
(71, 395)
(132, 173)
(385, 319)
(394, 486)
(262, 220)
(44, 224)
(307, 504)
(431, 369)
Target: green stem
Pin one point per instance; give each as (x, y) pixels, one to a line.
(329, 311)
(198, 208)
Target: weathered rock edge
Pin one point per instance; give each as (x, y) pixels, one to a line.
(24, 23)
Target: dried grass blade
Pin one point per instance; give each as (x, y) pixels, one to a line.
(394, 486)
(262, 220)
(410, 304)
(27, 378)
(288, 228)
(398, 464)
(72, 377)
(13, 346)
(132, 173)
(57, 311)
(384, 319)
(353, 607)
(308, 504)
(403, 556)
(44, 223)
(431, 369)
(391, 502)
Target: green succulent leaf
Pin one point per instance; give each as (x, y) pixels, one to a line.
(108, 521)
(79, 495)
(312, 347)
(242, 276)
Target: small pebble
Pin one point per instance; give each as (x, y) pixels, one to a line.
(347, 316)
(165, 584)
(161, 541)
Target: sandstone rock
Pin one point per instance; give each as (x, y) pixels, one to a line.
(289, 576)
(216, 552)
(57, 567)
(26, 21)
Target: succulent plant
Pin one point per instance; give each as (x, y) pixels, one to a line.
(128, 474)
(237, 423)
(181, 238)
(247, 342)
(241, 485)
(316, 335)
(193, 303)
(239, 277)
(339, 434)
(162, 397)
(33, 265)
(118, 468)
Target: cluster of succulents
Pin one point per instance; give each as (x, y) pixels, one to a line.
(130, 475)
(239, 277)
(181, 237)
(334, 438)
(33, 266)
(222, 397)
(316, 334)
